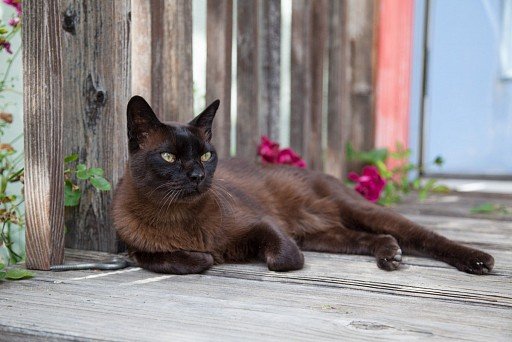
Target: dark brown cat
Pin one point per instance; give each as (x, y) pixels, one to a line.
(177, 217)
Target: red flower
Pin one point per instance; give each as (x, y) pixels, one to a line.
(5, 45)
(288, 157)
(270, 153)
(268, 150)
(14, 3)
(370, 184)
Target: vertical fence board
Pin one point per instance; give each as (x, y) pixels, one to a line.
(43, 125)
(219, 22)
(319, 34)
(300, 78)
(96, 88)
(142, 46)
(361, 30)
(338, 100)
(270, 62)
(351, 88)
(176, 73)
(247, 126)
(162, 56)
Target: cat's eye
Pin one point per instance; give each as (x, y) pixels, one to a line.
(168, 157)
(205, 157)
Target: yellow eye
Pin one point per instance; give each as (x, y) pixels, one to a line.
(168, 157)
(205, 157)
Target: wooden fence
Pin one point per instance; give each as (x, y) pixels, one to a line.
(84, 59)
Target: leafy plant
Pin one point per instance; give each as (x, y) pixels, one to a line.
(14, 273)
(397, 178)
(72, 191)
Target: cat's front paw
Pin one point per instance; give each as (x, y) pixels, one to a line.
(289, 258)
(474, 261)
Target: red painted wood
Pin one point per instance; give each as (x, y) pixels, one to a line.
(394, 51)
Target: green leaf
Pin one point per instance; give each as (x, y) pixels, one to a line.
(440, 188)
(18, 273)
(2, 275)
(485, 208)
(95, 171)
(82, 174)
(71, 158)
(81, 167)
(71, 196)
(100, 183)
(2, 266)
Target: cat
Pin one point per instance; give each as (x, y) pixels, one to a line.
(180, 210)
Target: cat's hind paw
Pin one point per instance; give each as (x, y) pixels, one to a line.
(388, 253)
(476, 262)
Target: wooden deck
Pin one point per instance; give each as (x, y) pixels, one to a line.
(335, 297)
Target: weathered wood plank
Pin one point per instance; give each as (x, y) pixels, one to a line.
(43, 128)
(361, 30)
(162, 56)
(170, 307)
(338, 99)
(318, 51)
(270, 44)
(219, 23)
(301, 77)
(96, 87)
(247, 123)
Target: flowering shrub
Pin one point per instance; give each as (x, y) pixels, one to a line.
(270, 153)
(7, 33)
(384, 185)
(369, 184)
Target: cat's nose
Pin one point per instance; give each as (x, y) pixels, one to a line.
(196, 176)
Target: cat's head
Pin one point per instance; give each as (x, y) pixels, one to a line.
(170, 161)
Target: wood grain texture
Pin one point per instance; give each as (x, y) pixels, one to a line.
(351, 90)
(301, 77)
(334, 297)
(162, 56)
(270, 60)
(43, 134)
(95, 57)
(219, 27)
(338, 99)
(318, 51)
(247, 124)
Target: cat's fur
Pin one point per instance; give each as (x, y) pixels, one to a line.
(181, 218)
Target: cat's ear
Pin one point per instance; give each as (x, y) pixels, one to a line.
(141, 121)
(204, 120)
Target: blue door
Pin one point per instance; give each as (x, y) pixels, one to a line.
(468, 92)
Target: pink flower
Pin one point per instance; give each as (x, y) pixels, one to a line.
(370, 184)
(270, 153)
(14, 21)
(268, 150)
(288, 157)
(14, 3)
(5, 45)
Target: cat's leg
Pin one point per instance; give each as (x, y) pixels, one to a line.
(177, 262)
(339, 239)
(412, 237)
(279, 251)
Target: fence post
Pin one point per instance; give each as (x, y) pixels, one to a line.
(219, 23)
(269, 28)
(43, 125)
(247, 123)
(309, 35)
(350, 114)
(96, 76)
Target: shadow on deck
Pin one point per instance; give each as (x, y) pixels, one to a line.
(335, 297)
